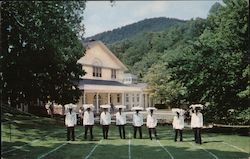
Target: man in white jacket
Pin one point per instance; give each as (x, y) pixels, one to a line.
(137, 123)
(197, 124)
(151, 123)
(105, 121)
(88, 122)
(120, 122)
(178, 125)
(70, 122)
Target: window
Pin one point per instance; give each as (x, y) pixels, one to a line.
(118, 98)
(138, 97)
(97, 71)
(127, 98)
(133, 98)
(113, 73)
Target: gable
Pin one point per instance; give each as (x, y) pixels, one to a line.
(97, 54)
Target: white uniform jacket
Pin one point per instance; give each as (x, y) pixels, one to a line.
(151, 121)
(120, 118)
(178, 123)
(105, 119)
(137, 120)
(88, 118)
(70, 119)
(197, 120)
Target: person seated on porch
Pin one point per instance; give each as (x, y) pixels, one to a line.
(151, 122)
(121, 120)
(105, 120)
(88, 120)
(137, 121)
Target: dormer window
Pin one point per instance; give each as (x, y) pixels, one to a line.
(113, 73)
(97, 71)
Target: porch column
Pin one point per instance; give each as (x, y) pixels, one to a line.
(140, 100)
(123, 98)
(146, 100)
(84, 98)
(97, 102)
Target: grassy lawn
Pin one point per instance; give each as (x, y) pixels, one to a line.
(46, 138)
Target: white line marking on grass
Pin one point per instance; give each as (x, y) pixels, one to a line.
(19, 147)
(129, 150)
(216, 157)
(236, 147)
(91, 152)
(165, 149)
(55, 149)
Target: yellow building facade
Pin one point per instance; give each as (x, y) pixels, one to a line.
(105, 83)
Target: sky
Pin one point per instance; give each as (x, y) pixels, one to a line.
(103, 16)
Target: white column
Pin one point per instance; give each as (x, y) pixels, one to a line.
(97, 102)
(84, 98)
(146, 100)
(123, 98)
(141, 100)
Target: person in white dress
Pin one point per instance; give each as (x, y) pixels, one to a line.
(178, 124)
(88, 122)
(120, 122)
(197, 124)
(70, 123)
(105, 121)
(151, 122)
(137, 122)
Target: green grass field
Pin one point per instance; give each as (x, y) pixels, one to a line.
(46, 138)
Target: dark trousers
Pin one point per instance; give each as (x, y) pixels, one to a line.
(88, 127)
(105, 130)
(121, 131)
(176, 134)
(197, 135)
(135, 130)
(150, 132)
(71, 133)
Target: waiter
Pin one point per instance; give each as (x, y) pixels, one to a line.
(121, 120)
(137, 121)
(105, 120)
(151, 122)
(178, 122)
(197, 122)
(70, 122)
(88, 120)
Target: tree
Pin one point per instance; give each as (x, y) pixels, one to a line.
(213, 68)
(41, 46)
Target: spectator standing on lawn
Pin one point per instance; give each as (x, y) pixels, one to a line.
(151, 122)
(121, 120)
(137, 121)
(88, 120)
(105, 120)
(197, 122)
(178, 122)
(70, 121)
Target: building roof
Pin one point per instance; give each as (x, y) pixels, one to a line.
(100, 82)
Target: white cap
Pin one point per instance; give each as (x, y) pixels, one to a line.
(70, 106)
(105, 106)
(137, 108)
(151, 108)
(193, 106)
(86, 106)
(120, 106)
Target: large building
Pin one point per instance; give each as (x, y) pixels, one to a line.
(105, 81)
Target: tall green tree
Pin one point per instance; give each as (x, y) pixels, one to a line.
(214, 67)
(41, 45)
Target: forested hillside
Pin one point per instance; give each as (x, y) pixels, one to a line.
(203, 60)
(129, 31)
